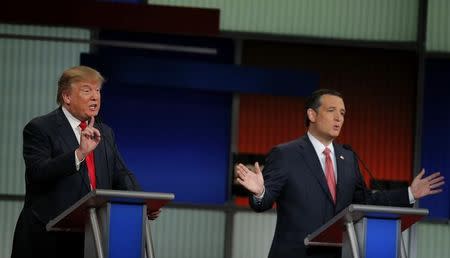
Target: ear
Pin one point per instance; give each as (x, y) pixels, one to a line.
(66, 97)
(311, 115)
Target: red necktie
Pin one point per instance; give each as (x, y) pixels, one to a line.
(90, 161)
(329, 173)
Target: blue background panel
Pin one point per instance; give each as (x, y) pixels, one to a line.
(435, 134)
(173, 73)
(174, 140)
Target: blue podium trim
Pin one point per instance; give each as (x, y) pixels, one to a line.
(381, 238)
(126, 231)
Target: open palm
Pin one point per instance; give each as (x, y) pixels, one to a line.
(421, 187)
(252, 181)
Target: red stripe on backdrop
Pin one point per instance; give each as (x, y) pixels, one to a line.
(265, 121)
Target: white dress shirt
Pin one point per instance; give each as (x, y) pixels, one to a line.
(319, 148)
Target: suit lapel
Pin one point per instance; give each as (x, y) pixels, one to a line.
(70, 140)
(100, 163)
(66, 131)
(309, 155)
(340, 158)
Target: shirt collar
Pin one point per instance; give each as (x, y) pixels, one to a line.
(74, 122)
(318, 146)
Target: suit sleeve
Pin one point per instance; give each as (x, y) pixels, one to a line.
(41, 167)
(275, 176)
(363, 195)
(123, 178)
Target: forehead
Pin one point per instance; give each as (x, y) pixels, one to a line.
(331, 101)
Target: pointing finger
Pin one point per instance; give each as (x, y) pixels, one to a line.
(91, 122)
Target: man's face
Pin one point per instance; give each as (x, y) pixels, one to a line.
(327, 121)
(82, 99)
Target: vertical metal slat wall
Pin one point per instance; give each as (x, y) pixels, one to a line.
(438, 30)
(189, 233)
(384, 20)
(29, 70)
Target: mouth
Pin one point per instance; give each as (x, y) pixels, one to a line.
(93, 107)
(336, 127)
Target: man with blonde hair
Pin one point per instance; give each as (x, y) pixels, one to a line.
(67, 153)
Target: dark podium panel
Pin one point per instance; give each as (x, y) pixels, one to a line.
(115, 222)
(367, 230)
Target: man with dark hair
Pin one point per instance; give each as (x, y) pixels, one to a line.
(312, 179)
(67, 154)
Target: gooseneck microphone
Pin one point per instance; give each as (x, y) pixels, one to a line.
(111, 146)
(349, 147)
(382, 190)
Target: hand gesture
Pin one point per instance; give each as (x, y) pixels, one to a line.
(252, 181)
(89, 139)
(421, 187)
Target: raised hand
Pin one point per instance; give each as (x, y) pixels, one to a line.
(421, 187)
(89, 139)
(252, 181)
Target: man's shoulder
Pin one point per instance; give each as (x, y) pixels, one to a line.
(44, 120)
(293, 144)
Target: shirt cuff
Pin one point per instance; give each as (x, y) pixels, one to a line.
(411, 196)
(260, 197)
(77, 162)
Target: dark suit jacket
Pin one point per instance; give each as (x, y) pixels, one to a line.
(294, 179)
(52, 182)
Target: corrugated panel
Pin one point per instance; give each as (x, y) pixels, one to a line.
(189, 233)
(29, 71)
(438, 30)
(433, 240)
(344, 19)
(9, 212)
(252, 234)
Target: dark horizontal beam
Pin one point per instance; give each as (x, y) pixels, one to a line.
(113, 16)
(410, 46)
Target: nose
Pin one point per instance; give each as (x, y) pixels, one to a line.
(95, 95)
(338, 117)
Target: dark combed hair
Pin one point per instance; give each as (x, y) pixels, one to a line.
(313, 101)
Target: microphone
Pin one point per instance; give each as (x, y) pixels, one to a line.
(349, 147)
(382, 190)
(124, 172)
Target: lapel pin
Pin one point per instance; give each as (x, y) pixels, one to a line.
(341, 157)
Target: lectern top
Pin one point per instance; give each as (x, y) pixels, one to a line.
(330, 234)
(73, 219)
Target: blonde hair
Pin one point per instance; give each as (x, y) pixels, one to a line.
(76, 74)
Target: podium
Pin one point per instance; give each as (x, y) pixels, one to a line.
(115, 222)
(366, 231)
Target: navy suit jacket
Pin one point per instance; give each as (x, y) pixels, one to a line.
(52, 182)
(294, 179)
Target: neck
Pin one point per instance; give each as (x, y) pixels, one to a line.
(324, 140)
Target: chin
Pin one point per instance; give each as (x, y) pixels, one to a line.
(334, 134)
(93, 113)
